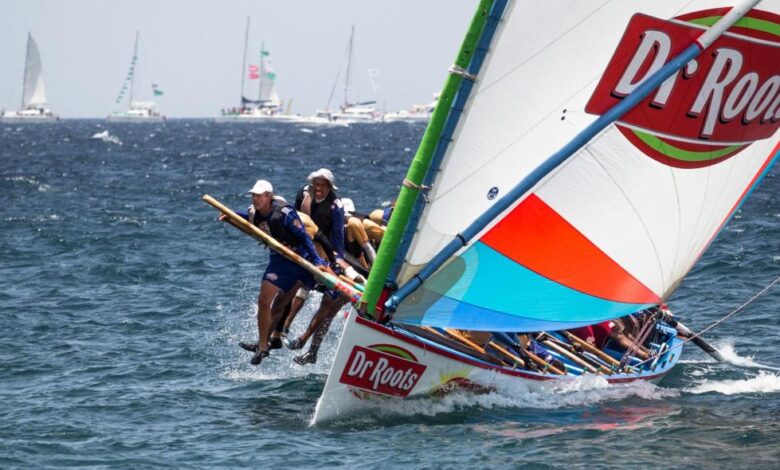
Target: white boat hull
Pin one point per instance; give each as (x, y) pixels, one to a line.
(258, 118)
(375, 362)
(30, 119)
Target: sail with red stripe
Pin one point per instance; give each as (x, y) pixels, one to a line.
(617, 226)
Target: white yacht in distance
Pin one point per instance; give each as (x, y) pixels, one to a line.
(138, 110)
(349, 112)
(417, 113)
(268, 106)
(33, 91)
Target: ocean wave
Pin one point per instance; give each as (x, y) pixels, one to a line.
(764, 382)
(105, 136)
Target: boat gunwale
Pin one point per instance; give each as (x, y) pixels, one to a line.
(430, 346)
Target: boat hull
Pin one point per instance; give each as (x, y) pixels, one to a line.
(258, 118)
(374, 361)
(135, 119)
(30, 119)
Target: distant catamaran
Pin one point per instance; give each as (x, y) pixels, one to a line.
(137, 111)
(268, 106)
(33, 90)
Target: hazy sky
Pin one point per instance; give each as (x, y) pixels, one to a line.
(193, 50)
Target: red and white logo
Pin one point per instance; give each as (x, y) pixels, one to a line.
(382, 368)
(712, 108)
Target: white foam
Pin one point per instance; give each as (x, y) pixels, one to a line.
(279, 365)
(106, 137)
(515, 393)
(765, 382)
(729, 353)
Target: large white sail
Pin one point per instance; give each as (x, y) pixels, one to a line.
(622, 221)
(267, 83)
(33, 90)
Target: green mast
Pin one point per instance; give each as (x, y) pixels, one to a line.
(421, 162)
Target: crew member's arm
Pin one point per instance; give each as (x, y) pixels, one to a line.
(293, 223)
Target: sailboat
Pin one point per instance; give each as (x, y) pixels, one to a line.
(417, 113)
(576, 167)
(350, 111)
(268, 106)
(33, 90)
(137, 110)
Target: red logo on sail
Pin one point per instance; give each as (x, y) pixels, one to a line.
(382, 368)
(712, 108)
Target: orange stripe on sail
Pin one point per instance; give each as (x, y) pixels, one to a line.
(537, 237)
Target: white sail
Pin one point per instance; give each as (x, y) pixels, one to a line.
(33, 90)
(625, 218)
(267, 84)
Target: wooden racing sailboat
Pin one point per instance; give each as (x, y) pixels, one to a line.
(576, 167)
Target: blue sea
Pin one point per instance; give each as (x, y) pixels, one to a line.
(122, 301)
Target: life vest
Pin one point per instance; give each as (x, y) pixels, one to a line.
(319, 211)
(274, 224)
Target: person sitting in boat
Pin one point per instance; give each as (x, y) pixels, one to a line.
(318, 199)
(362, 237)
(382, 216)
(282, 277)
(613, 331)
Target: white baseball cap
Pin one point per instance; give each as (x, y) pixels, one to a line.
(325, 174)
(349, 205)
(261, 187)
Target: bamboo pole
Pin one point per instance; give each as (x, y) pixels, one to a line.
(592, 349)
(329, 280)
(563, 352)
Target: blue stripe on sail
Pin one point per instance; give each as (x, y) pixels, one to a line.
(484, 290)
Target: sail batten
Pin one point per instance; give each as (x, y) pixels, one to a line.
(647, 179)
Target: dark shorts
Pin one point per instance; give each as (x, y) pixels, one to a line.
(283, 273)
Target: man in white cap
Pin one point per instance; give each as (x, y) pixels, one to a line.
(318, 199)
(282, 277)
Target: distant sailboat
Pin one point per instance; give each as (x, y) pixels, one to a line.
(350, 111)
(417, 113)
(268, 105)
(138, 110)
(33, 90)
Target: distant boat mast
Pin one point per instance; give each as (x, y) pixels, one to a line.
(349, 67)
(243, 65)
(133, 67)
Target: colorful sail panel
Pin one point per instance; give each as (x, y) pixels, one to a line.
(626, 217)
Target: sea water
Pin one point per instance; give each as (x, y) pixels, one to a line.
(123, 300)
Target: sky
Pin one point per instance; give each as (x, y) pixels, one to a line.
(193, 49)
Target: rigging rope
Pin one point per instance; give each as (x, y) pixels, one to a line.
(729, 315)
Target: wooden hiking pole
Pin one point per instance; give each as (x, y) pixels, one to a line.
(507, 353)
(330, 281)
(592, 349)
(573, 357)
(599, 365)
